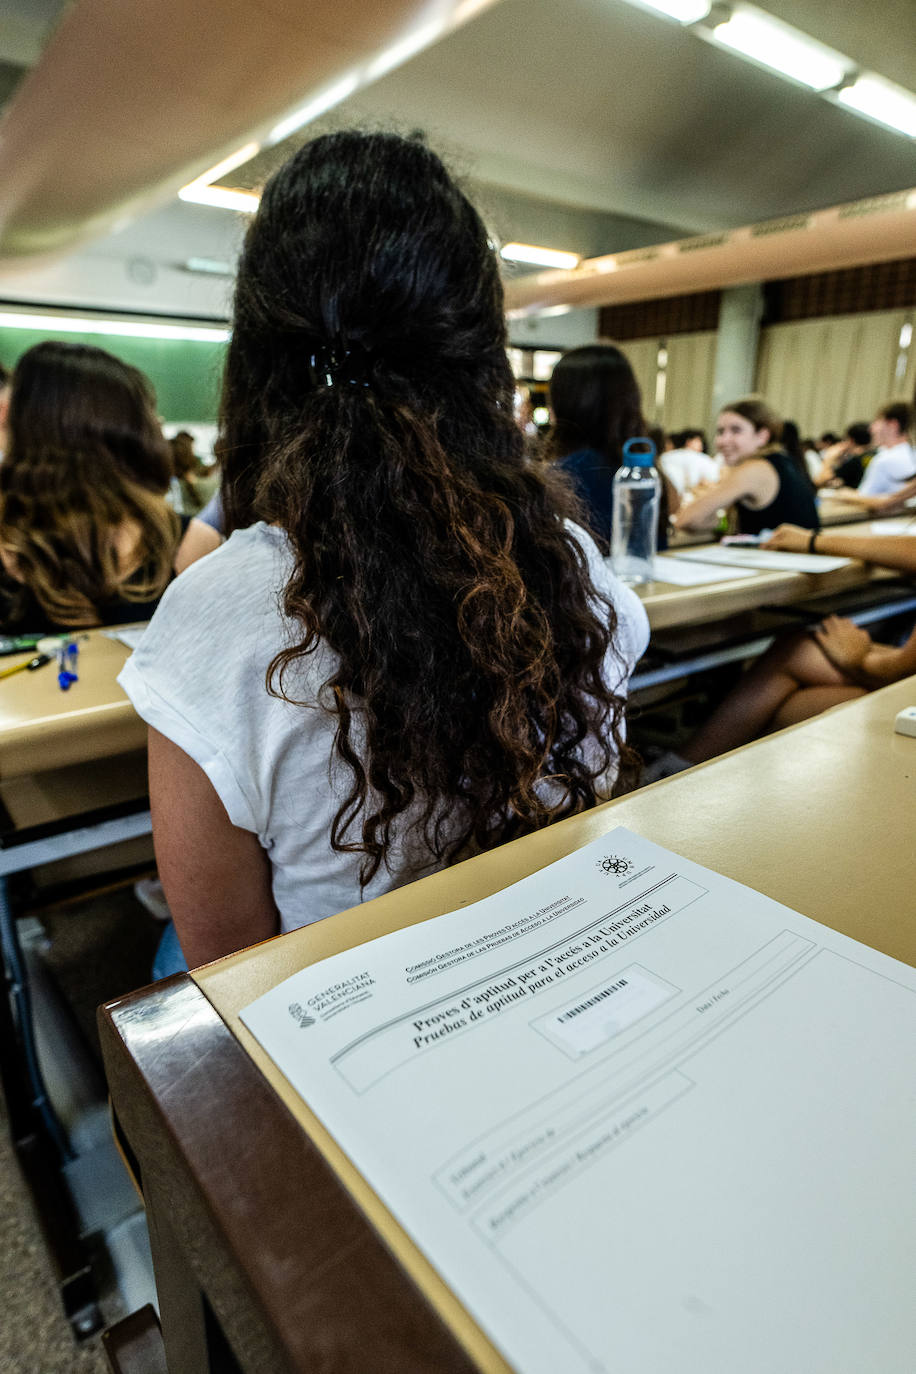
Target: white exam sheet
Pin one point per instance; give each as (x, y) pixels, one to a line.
(641, 1118)
(904, 526)
(767, 560)
(679, 573)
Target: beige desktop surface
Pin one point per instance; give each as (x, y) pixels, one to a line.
(819, 817)
(43, 728)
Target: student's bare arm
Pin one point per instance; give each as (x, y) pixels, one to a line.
(200, 538)
(216, 876)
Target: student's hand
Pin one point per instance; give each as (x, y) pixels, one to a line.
(792, 538)
(844, 642)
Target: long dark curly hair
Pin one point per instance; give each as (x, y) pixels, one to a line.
(368, 411)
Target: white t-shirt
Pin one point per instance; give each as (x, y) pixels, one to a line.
(889, 470)
(686, 468)
(198, 677)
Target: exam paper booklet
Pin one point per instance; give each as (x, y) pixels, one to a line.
(765, 560)
(640, 1118)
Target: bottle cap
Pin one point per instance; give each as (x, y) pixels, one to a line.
(639, 453)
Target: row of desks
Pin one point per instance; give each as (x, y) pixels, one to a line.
(42, 728)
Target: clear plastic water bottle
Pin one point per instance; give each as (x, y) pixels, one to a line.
(634, 515)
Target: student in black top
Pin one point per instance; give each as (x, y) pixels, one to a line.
(765, 484)
(86, 535)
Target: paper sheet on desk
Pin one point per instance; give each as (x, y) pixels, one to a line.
(129, 635)
(907, 526)
(680, 573)
(764, 560)
(631, 1110)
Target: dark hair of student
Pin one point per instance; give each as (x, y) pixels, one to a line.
(792, 445)
(900, 412)
(4, 376)
(368, 410)
(85, 454)
(186, 466)
(859, 434)
(596, 403)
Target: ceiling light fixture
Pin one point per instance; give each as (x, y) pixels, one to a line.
(128, 329)
(782, 49)
(318, 106)
(881, 101)
(220, 197)
(213, 267)
(403, 50)
(539, 257)
(200, 191)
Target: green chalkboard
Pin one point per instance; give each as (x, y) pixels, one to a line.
(186, 375)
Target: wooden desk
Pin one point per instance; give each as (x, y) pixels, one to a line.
(668, 606)
(258, 1222)
(42, 728)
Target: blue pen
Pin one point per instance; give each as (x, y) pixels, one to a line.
(67, 655)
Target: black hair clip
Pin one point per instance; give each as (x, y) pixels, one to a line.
(339, 367)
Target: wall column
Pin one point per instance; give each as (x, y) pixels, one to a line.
(740, 313)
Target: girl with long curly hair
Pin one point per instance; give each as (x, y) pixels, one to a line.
(406, 652)
(86, 536)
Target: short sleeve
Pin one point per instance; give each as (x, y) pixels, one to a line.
(198, 674)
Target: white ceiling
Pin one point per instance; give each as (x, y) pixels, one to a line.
(599, 104)
(599, 126)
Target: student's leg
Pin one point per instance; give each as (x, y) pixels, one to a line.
(791, 666)
(810, 701)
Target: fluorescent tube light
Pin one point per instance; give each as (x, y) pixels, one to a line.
(228, 164)
(550, 311)
(539, 257)
(220, 197)
(403, 50)
(783, 49)
(213, 267)
(685, 11)
(318, 106)
(882, 101)
(128, 329)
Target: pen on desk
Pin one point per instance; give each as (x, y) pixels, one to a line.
(66, 664)
(29, 666)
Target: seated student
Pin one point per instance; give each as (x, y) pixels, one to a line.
(805, 673)
(404, 654)
(596, 406)
(844, 463)
(880, 505)
(894, 463)
(764, 484)
(86, 536)
(686, 464)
